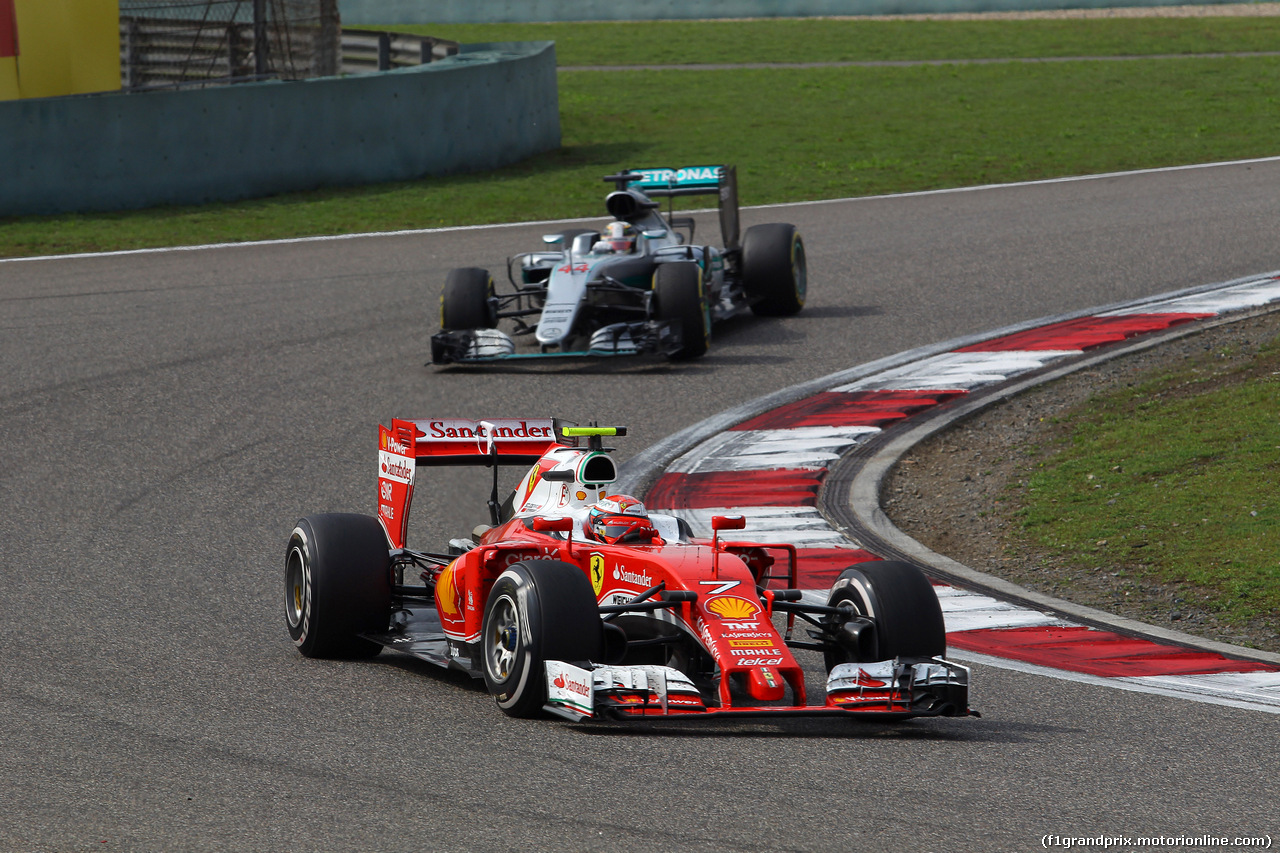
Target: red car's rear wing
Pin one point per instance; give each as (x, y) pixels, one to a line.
(406, 444)
(457, 441)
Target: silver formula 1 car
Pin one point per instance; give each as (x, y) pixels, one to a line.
(640, 285)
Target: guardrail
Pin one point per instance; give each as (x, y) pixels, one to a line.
(370, 50)
(171, 53)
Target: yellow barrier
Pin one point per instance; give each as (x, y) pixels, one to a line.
(9, 79)
(60, 47)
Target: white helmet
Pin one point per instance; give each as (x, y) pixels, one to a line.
(620, 236)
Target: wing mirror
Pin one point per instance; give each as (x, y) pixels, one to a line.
(718, 523)
(559, 524)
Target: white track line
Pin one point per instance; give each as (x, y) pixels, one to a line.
(457, 228)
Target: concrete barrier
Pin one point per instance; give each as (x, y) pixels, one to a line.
(379, 12)
(489, 106)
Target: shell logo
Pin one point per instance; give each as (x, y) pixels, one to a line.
(732, 607)
(447, 593)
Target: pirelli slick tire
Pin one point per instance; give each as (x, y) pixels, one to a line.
(774, 272)
(337, 585)
(901, 603)
(679, 297)
(468, 300)
(539, 610)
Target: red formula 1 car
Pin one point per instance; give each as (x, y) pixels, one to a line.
(577, 602)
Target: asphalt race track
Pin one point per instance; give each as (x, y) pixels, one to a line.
(167, 416)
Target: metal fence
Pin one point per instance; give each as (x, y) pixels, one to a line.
(193, 43)
(370, 50)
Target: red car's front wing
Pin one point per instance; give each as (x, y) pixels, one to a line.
(884, 689)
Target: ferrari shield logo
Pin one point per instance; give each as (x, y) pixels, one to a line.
(597, 573)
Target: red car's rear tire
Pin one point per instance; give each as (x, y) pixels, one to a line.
(337, 585)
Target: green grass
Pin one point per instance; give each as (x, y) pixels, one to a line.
(827, 40)
(1156, 483)
(795, 134)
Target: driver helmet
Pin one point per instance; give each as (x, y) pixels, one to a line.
(620, 237)
(620, 519)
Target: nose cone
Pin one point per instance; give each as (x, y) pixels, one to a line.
(765, 684)
(556, 323)
(550, 334)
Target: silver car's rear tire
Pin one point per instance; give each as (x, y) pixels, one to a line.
(774, 270)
